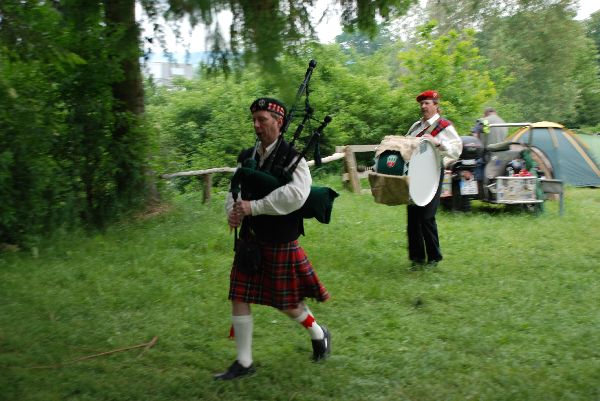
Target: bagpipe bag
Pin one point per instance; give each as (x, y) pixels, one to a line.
(318, 205)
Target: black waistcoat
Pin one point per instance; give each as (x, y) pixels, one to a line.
(272, 229)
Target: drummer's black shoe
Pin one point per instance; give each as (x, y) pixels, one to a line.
(416, 265)
(432, 263)
(235, 371)
(322, 348)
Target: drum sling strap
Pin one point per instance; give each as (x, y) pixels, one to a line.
(435, 129)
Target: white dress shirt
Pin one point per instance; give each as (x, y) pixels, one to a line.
(450, 143)
(285, 199)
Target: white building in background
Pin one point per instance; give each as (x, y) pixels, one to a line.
(163, 72)
(164, 69)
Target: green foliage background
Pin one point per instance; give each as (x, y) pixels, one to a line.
(73, 154)
(364, 94)
(65, 159)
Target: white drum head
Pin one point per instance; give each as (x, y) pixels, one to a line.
(424, 173)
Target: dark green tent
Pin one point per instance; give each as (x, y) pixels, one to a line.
(593, 143)
(571, 159)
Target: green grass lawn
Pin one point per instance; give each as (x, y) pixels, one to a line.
(512, 313)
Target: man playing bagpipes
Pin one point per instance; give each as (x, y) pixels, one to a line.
(270, 268)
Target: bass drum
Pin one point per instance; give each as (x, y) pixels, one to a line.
(424, 170)
(389, 180)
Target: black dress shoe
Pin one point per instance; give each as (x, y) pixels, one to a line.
(416, 265)
(322, 348)
(235, 371)
(432, 264)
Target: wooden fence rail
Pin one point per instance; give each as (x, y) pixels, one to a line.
(346, 152)
(351, 173)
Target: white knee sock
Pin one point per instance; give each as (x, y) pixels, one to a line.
(242, 325)
(307, 320)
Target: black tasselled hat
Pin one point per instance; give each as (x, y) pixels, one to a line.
(269, 104)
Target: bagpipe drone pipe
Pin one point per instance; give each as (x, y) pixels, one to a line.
(319, 203)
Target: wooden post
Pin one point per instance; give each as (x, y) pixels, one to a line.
(350, 161)
(207, 188)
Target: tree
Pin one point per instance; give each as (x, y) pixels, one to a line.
(452, 14)
(364, 43)
(452, 65)
(364, 93)
(35, 191)
(357, 95)
(587, 78)
(72, 151)
(546, 72)
(74, 65)
(260, 31)
(593, 30)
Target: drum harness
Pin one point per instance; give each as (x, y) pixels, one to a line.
(433, 129)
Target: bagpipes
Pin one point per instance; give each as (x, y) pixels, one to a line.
(320, 200)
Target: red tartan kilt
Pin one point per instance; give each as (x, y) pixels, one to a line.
(286, 278)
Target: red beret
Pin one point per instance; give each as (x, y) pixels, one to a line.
(428, 95)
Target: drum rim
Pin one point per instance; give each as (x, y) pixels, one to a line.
(417, 176)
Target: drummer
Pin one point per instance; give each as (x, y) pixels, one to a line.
(423, 241)
(285, 277)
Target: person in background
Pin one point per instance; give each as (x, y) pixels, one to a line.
(423, 241)
(486, 134)
(285, 276)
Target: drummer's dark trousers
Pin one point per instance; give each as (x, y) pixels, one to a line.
(423, 240)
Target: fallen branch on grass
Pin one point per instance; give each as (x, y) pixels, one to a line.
(146, 347)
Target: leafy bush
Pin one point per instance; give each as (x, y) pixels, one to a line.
(69, 155)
